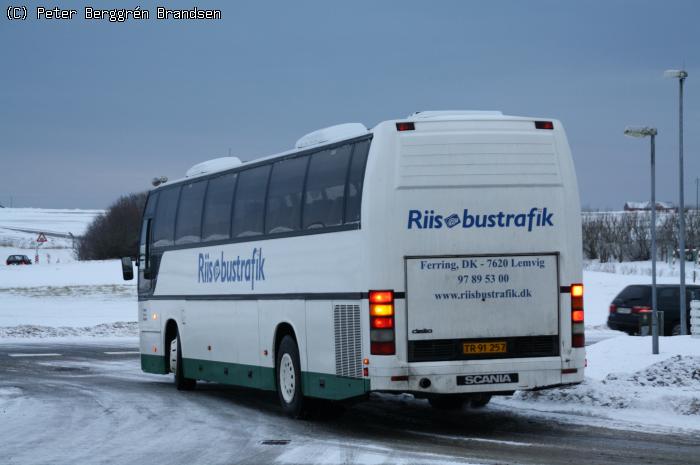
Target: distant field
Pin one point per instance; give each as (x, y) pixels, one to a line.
(47, 220)
(19, 227)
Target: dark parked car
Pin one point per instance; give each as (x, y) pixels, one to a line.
(18, 260)
(634, 303)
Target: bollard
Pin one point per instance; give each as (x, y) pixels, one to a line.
(645, 321)
(695, 318)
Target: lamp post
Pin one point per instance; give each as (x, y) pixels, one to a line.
(651, 132)
(681, 75)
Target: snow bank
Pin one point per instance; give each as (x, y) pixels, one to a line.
(117, 329)
(624, 381)
(76, 295)
(63, 274)
(629, 354)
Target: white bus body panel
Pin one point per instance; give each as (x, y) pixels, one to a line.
(484, 167)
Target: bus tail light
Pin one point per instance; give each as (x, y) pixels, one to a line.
(406, 126)
(381, 322)
(578, 337)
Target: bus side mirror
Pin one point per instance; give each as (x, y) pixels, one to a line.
(127, 269)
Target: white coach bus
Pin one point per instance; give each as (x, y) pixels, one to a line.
(438, 255)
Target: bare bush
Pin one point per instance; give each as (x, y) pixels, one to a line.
(116, 233)
(626, 236)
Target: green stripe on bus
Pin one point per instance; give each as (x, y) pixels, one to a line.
(230, 373)
(154, 364)
(320, 385)
(332, 387)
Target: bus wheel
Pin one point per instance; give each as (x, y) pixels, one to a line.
(479, 400)
(453, 402)
(182, 383)
(288, 371)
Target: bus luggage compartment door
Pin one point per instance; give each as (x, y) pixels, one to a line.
(482, 307)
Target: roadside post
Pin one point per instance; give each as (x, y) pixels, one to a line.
(651, 132)
(681, 75)
(646, 324)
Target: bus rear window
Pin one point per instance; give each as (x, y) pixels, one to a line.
(325, 188)
(355, 180)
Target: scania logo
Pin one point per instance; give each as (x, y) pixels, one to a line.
(500, 378)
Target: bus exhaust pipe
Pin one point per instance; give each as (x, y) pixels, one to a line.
(424, 383)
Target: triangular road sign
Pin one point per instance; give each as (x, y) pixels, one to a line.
(41, 238)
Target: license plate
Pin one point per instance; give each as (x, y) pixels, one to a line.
(498, 347)
(623, 310)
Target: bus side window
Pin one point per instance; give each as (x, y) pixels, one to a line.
(216, 224)
(355, 179)
(324, 197)
(189, 213)
(249, 204)
(164, 227)
(283, 211)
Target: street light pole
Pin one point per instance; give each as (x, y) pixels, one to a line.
(654, 316)
(681, 75)
(644, 132)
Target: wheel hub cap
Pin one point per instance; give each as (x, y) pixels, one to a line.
(287, 378)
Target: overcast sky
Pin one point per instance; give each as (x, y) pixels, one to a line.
(92, 110)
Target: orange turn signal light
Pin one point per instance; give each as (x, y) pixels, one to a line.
(577, 290)
(381, 309)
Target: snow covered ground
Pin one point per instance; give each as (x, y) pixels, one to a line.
(59, 296)
(627, 386)
(66, 299)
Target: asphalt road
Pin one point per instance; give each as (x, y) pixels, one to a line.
(91, 404)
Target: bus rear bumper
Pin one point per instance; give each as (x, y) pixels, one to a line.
(434, 378)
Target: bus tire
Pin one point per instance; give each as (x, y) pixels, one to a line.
(181, 383)
(288, 378)
(479, 400)
(448, 402)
